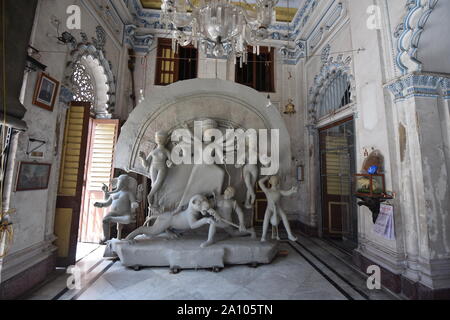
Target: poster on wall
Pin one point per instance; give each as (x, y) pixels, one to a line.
(45, 92)
(33, 176)
(384, 226)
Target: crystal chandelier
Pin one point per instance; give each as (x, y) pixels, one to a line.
(218, 27)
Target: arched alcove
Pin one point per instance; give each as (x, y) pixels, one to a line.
(333, 84)
(89, 76)
(422, 43)
(434, 45)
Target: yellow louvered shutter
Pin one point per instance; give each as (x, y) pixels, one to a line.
(337, 166)
(70, 188)
(73, 140)
(102, 141)
(101, 166)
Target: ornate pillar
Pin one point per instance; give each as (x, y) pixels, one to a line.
(422, 103)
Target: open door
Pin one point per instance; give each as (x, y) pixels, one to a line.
(99, 171)
(70, 188)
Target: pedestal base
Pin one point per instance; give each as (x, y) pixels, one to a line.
(185, 253)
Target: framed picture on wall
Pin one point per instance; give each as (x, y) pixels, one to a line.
(45, 92)
(33, 176)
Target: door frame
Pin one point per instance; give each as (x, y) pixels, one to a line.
(336, 120)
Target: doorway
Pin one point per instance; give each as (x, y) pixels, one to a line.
(337, 165)
(99, 171)
(86, 163)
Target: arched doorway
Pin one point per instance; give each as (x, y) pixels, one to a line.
(331, 114)
(90, 84)
(87, 158)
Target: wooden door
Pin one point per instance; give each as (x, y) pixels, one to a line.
(70, 188)
(99, 171)
(337, 168)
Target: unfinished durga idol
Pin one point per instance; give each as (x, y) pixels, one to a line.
(204, 144)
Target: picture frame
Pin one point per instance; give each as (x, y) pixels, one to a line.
(45, 92)
(33, 176)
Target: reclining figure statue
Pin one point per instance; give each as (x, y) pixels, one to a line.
(193, 217)
(198, 214)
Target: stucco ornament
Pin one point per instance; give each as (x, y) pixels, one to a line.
(158, 162)
(122, 200)
(274, 210)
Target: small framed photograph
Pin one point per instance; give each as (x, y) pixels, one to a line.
(45, 92)
(33, 176)
(300, 173)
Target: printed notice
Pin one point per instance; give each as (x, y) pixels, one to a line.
(385, 222)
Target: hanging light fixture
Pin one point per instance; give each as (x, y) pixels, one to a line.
(218, 27)
(290, 108)
(269, 102)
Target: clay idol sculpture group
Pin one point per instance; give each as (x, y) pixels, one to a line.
(188, 197)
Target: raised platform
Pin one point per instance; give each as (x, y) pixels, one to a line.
(185, 253)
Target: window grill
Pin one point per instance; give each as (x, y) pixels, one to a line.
(336, 95)
(83, 87)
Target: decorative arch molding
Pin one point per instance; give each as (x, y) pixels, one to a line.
(425, 85)
(328, 72)
(409, 33)
(100, 69)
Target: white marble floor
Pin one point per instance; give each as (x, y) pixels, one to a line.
(287, 278)
(307, 273)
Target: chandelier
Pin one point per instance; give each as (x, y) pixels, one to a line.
(218, 27)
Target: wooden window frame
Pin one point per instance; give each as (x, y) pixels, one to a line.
(164, 43)
(253, 84)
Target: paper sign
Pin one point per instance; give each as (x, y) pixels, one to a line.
(385, 222)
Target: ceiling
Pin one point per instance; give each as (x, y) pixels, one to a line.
(286, 9)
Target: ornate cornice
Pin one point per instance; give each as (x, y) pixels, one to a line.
(293, 55)
(139, 41)
(279, 31)
(416, 84)
(149, 18)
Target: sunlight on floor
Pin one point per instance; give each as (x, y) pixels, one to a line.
(84, 249)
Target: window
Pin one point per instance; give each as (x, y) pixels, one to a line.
(83, 89)
(172, 67)
(258, 73)
(336, 95)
